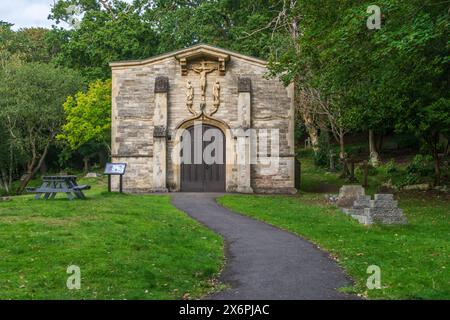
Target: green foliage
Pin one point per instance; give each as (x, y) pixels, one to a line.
(371, 170)
(395, 77)
(421, 166)
(88, 116)
(32, 106)
(322, 156)
(30, 44)
(118, 32)
(137, 30)
(236, 25)
(391, 167)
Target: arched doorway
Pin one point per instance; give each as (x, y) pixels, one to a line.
(203, 159)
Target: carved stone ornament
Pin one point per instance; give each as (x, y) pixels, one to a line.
(216, 96)
(203, 68)
(202, 53)
(159, 132)
(161, 84)
(190, 97)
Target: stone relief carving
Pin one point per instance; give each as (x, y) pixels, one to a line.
(203, 62)
(190, 97)
(216, 96)
(203, 68)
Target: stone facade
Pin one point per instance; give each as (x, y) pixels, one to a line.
(151, 102)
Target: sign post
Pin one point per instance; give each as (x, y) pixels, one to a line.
(115, 169)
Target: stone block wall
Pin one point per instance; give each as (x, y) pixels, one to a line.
(133, 105)
(383, 209)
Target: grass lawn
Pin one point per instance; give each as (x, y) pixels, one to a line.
(127, 247)
(414, 259)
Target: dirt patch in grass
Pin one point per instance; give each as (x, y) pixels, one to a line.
(323, 188)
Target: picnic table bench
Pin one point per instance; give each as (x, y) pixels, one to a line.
(51, 185)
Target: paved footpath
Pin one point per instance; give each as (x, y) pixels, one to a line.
(264, 262)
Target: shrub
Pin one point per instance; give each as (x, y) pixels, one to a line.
(421, 166)
(322, 156)
(371, 170)
(419, 170)
(391, 167)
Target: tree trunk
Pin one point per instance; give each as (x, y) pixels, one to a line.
(314, 136)
(32, 170)
(345, 170)
(302, 111)
(43, 168)
(341, 146)
(312, 130)
(86, 164)
(102, 157)
(5, 184)
(307, 117)
(379, 139)
(374, 156)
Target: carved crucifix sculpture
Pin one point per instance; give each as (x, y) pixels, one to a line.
(203, 70)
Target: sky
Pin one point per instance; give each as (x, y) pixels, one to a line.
(26, 13)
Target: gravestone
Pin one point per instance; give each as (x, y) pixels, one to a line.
(332, 164)
(357, 210)
(92, 175)
(348, 194)
(383, 209)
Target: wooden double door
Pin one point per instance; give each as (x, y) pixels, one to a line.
(200, 172)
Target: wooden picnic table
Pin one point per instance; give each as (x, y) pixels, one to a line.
(51, 185)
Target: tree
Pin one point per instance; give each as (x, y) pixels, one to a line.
(393, 77)
(243, 26)
(33, 101)
(107, 31)
(88, 120)
(31, 44)
(418, 53)
(119, 30)
(287, 61)
(10, 150)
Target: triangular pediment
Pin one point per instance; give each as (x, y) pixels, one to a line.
(202, 53)
(195, 52)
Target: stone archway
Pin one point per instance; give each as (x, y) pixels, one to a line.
(228, 152)
(202, 168)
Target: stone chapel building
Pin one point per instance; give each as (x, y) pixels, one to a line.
(197, 89)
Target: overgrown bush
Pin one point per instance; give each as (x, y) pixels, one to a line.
(421, 166)
(418, 171)
(391, 167)
(371, 170)
(322, 156)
